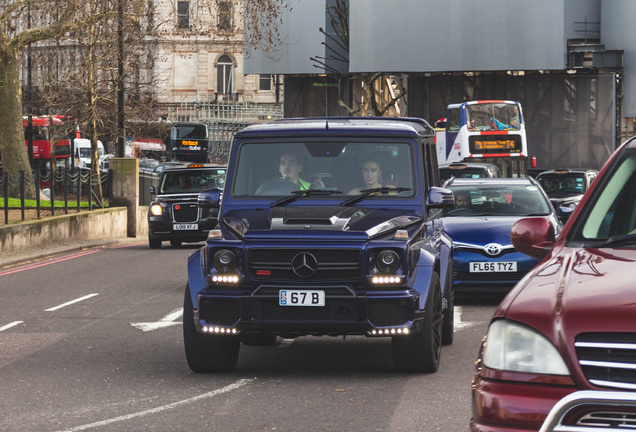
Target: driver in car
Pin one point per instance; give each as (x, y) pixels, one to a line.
(462, 200)
(290, 168)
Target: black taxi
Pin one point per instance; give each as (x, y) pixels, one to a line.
(173, 214)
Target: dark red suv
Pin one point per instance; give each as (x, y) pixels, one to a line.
(570, 324)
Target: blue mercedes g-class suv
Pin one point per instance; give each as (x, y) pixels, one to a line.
(326, 226)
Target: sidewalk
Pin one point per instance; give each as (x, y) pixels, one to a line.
(36, 253)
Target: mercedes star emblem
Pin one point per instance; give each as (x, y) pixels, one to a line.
(304, 264)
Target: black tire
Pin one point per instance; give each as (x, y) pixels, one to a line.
(175, 243)
(421, 351)
(154, 243)
(263, 338)
(207, 353)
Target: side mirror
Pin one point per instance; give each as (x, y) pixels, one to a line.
(440, 198)
(153, 190)
(532, 236)
(564, 213)
(210, 198)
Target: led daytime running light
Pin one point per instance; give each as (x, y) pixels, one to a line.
(224, 278)
(386, 280)
(389, 332)
(219, 330)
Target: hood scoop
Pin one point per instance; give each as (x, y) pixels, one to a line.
(322, 218)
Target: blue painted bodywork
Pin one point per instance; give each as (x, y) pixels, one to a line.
(250, 227)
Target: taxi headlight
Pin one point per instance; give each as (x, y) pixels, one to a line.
(225, 260)
(387, 261)
(517, 348)
(156, 210)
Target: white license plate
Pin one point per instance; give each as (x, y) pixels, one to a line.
(183, 227)
(488, 267)
(301, 298)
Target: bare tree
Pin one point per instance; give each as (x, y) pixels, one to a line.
(16, 32)
(380, 92)
(78, 73)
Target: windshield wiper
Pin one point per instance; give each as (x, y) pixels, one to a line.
(304, 193)
(366, 192)
(618, 239)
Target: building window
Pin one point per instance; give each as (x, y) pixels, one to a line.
(183, 14)
(265, 82)
(225, 81)
(225, 15)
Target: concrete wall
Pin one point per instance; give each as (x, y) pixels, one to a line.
(100, 224)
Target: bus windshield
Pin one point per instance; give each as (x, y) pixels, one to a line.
(493, 116)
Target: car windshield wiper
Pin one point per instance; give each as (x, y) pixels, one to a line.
(303, 194)
(366, 192)
(618, 240)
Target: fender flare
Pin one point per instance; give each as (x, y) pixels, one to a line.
(196, 275)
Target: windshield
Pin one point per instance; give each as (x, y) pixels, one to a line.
(492, 116)
(562, 184)
(194, 131)
(612, 212)
(446, 173)
(85, 152)
(191, 181)
(498, 200)
(345, 168)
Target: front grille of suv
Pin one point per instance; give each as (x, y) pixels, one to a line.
(331, 264)
(486, 277)
(185, 212)
(608, 359)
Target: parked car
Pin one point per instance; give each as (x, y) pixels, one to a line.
(570, 324)
(484, 260)
(305, 246)
(468, 170)
(147, 166)
(566, 187)
(161, 166)
(173, 215)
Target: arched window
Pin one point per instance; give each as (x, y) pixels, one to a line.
(225, 80)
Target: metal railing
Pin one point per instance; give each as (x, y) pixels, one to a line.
(241, 112)
(51, 188)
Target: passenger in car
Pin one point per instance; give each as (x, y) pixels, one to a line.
(371, 176)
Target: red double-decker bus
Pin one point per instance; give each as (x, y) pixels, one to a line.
(42, 132)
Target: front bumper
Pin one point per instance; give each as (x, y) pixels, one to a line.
(346, 312)
(465, 281)
(160, 228)
(512, 407)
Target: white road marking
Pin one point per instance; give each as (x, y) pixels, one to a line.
(8, 326)
(164, 322)
(213, 393)
(70, 302)
(459, 324)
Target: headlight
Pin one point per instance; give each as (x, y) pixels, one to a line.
(224, 260)
(387, 261)
(156, 210)
(572, 205)
(515, 347)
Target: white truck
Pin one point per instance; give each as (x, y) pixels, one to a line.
(82, 153)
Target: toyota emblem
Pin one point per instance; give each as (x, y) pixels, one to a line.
(304, 265)
(493, 249)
